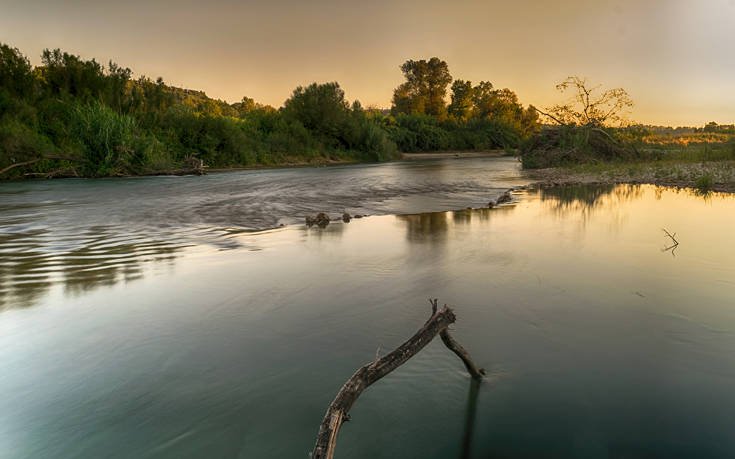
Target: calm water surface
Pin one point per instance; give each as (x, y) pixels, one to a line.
(145, 318)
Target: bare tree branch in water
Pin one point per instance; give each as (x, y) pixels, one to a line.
(673, 246)
(338, 410)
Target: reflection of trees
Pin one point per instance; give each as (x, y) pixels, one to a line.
(586, 199)
(332, 231)
(21, 284)
(429, 227)
(28, 270)
(433, 227)
(467, 216)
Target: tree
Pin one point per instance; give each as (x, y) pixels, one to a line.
(69, 75)
(117, 85)
(245, 106)
(462, 100)
(425, 88)
(15, 71)
(590, 106)
(321, 108)
(482, 99)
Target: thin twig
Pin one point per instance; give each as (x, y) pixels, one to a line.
(673, 246)
(672, 236)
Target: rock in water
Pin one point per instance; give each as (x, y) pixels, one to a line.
(346, 217)
(321, 220)
(505, 197)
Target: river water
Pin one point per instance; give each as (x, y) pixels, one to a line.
(171, 317)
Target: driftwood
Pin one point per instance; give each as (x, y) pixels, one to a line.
(34, 161)
(338, 410)
(674, 244)
(194, 166)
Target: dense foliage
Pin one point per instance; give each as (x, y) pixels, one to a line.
(478, 117)
(70, 116)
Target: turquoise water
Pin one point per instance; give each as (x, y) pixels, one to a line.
(133, 330)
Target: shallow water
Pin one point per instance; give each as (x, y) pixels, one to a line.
(88, 233)
(129, 336)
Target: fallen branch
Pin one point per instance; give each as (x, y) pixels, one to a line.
(672, 236)
(338, 410)
(34, 161)
(454, 346)
(674, 245)
(14, 165)
(561, 123)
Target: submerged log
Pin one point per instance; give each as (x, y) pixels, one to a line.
(338, 410)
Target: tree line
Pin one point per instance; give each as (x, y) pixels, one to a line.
(74, 116)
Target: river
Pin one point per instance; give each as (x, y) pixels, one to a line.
(172, 317)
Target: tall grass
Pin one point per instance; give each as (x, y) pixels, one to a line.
(111, 143)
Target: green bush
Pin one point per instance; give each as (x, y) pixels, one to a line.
(110, 143)
(19, 142)
(567, 145)
(705, 183)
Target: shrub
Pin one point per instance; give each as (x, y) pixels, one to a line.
(565, 145)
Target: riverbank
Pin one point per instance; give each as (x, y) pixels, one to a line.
(703, 176)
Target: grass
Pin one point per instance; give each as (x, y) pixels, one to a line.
(705, 168)
(705, 183)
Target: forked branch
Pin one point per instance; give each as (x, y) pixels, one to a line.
(674, 244)
(338, 410)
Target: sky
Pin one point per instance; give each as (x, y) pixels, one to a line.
(674, 57)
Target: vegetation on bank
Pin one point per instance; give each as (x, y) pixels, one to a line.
(592, 129)
(70, 116)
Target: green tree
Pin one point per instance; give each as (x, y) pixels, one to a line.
(321, 108)
(116, 94)
(462, 100)
(482, 97)
(64, 74)
(15, 72)
(425, 88)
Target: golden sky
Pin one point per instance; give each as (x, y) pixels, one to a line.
(675, 57)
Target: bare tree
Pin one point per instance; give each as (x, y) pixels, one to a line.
(590, 106)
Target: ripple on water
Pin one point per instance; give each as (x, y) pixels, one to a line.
(81, 234)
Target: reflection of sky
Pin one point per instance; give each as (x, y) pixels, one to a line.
(591, 335)
(92, 233)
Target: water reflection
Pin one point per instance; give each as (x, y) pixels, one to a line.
(612, 347)
(86, 234)
(332, 231)
(469, 421)
(586, 199)
(429, 228)
(32, 262)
